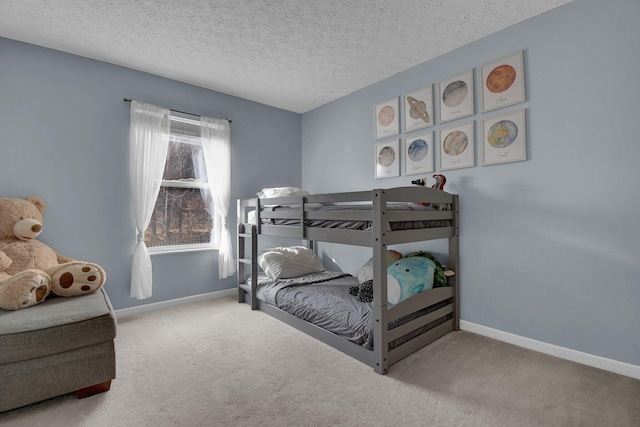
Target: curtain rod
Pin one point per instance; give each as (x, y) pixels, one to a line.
(177, 111)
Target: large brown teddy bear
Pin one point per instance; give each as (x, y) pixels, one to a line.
(29, 269)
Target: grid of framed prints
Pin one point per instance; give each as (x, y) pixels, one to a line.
(502, 137)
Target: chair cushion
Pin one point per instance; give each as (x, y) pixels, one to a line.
(57, 325)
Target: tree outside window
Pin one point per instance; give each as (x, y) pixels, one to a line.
(181, 218)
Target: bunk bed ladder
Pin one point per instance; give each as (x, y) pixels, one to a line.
(245, 259)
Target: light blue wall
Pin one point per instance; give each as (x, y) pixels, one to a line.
(64, 137)
(550, 246)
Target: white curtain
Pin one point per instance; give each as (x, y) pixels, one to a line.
(216, 149)
(148, 144)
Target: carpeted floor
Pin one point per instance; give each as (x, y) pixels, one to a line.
(217, 363)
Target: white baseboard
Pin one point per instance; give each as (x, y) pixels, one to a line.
(610, 365)
(132, 311)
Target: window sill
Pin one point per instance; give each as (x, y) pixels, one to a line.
(161, 250)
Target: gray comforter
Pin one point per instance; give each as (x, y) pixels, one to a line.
(324, 300)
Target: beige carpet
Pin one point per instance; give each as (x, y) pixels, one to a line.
(217, 363)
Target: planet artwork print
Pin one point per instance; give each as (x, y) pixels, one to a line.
(501, 78)
(386, 156)
(455, 143)
(418, 110)
(386, 116)
(454, 93)
(502, 134)
(418, 150)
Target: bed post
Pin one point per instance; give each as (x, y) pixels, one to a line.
(454, 257)
(254, 267)
(380, 325)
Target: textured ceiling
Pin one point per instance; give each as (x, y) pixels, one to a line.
(291, 54)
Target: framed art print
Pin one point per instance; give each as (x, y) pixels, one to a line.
(504, 138)
(456, 147)
(418, 109)
(387, 159)
(503, 82)
(418, 154)
(386, 119)
(456, 97)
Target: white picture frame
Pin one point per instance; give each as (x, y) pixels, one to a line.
(457, 147)
(456, 97)
(387, 159)
(503, 82)
(504, 138)
(387, 118)
(418, 109)
(418, 154)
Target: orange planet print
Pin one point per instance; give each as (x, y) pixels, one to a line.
(386, 116)
(501, 78)
(455, 143)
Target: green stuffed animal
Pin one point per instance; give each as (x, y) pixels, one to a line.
(409, 276)
(439, 279)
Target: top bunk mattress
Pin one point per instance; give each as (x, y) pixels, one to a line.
(351, 217)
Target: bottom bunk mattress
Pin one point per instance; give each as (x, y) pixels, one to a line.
(324, 300)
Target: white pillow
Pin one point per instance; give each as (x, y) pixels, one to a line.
(288, 262)
(281, 192)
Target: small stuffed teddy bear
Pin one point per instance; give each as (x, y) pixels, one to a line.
(29, 269)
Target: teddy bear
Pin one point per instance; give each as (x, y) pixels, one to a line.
(29, 269)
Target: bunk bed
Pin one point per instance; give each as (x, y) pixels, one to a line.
(376, 219)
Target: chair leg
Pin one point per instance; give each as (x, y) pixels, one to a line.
(94, 389)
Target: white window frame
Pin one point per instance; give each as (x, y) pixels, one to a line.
(172, 249)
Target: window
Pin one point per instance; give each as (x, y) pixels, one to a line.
(183, 217)
(195, 173)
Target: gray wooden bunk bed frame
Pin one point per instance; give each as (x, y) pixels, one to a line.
(445, 299)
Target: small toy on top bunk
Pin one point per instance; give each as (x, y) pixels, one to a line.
(441, 180)
(439, 184)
